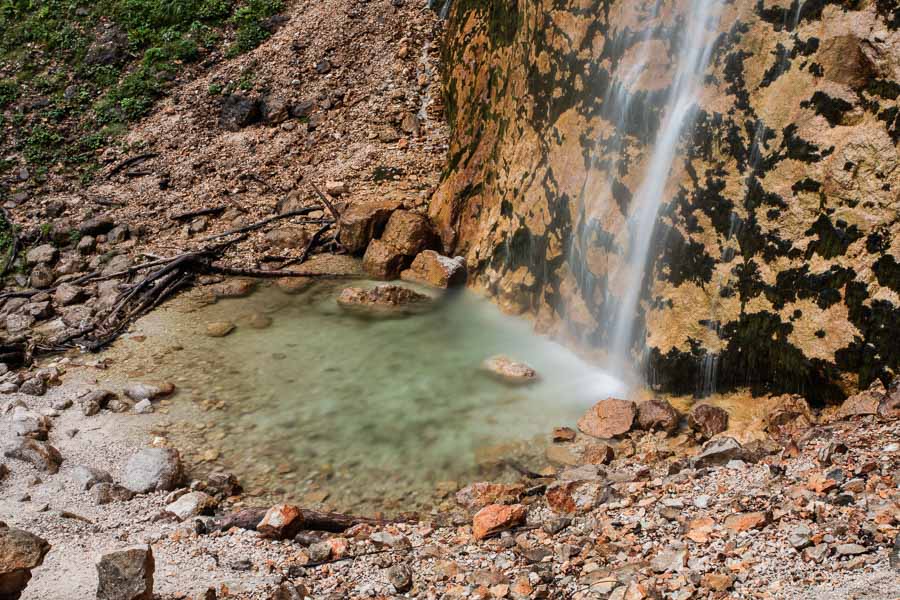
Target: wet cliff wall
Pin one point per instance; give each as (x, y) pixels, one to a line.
(776, 256)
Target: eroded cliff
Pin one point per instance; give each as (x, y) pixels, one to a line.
(776, 257)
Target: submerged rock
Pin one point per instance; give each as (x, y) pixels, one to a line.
(126, 574)
(20, 552)
(219, 328)
(383, 297)
(509, 370)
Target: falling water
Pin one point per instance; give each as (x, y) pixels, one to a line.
(694, 41)
(710, 361)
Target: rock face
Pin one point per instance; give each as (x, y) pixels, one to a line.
(126, 575)
(20, 552)
(153, 469)
(609, 418)
(776, 254)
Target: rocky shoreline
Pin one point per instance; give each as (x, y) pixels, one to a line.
(807, 507)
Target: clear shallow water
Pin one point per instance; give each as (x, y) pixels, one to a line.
(368, 412)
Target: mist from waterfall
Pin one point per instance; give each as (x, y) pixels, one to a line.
(693, 39)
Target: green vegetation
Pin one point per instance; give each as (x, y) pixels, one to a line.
(74, 73)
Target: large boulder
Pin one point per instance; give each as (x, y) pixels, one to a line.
(383, 297)
(126, 574)
(708, 420)
(383, 261)
(362, 223)
(153, 469)
(657, 415)
(436, 270)
(20, 552)
(409, 232)
(609, 418)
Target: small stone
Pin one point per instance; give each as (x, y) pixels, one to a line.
(382, 297)
(800, 536)
(400, 576)
(126, 574)
(746, 521)
(336, 188)
(238, 112)
(288, 591)
(409, 233)
(481, 494)
(509, 370)
(149, 391)
(144, 407)
(153, 469)
(495, 518)
(191, 505)
(708, 420)
(609, 418)
(563, 434)
(850, 549)
(45, 253)
(84, 478)
(718, 452)
(219, 329)
(259, 321)
(319, 551)
(669, 560)
(717, 582)
(281, 522)
(33, 387)
(105, 493)
(576, 495)
(96, 226)
(42, 277)
(233, 288)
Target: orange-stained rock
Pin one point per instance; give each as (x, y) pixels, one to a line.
(746, 521)
(361, 223)
(699, 530)
(481, 494)
(789, 416)
(495, 518)
(655, 415)
(563, 434)
(281, 522)
(576, 496)
(383, 261)
(436, 270)
(409, 233)
(609, 418)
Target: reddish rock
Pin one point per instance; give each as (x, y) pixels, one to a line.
(700, 529)
(281, 522)
(863, 403)
(383, 261)
(479, 495)
(717, 582)
(576, 496)
(597, 453)
(746, 521)
(655, 415)
(495, 518)
(609, 418)
(20, 552)
(563, 434)
(436, 270)
(361, 223)
(410, 233)
(789, 416)
(708, 420)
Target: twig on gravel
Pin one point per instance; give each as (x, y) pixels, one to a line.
(334, 212)
(309, 246)
(190, 214)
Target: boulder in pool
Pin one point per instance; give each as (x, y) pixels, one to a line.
(436, 270)
(385, 297)
(509, 370)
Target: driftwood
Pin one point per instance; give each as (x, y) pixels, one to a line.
(260, 224)
(334, 212)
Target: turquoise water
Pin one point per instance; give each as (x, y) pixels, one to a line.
(372, 412)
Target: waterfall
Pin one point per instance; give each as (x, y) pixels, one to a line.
(694, 40)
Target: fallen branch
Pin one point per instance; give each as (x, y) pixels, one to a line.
(260, 224)
(13, 243)
(309, 246)
(334, 212)
(129, 162)
(200, 212)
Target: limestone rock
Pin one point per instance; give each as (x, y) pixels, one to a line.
(149, 391)
(362, 223)
(106, 493)
(863, 403)
(409, 233)
(790, 415)
(287, 238)
(126, 574)
(657, 415)
(495, 518)
(576, 495)
(383, 261)
(436, 270)
(219, 329)
(509, 370)
(481, 494)
(233, 288)
(67, 294)
(609, 418)
(399, 576)
(20, 552)
(84, 478)
(191, 504)
(153, 469)
(96, 225)
(719, 452)
(45, 253)
(708, 420)
(42, 277)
